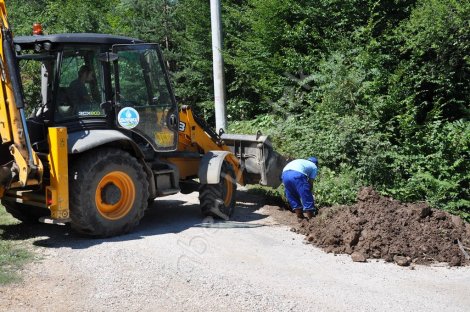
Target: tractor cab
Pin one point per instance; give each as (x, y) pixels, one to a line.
(94, 81)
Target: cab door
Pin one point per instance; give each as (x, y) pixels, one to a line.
(144, 98)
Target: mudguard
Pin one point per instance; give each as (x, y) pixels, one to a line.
(211, 166)
(82, 141)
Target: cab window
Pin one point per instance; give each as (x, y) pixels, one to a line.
(80, 90)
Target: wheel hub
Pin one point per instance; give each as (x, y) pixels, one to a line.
(115, 195)
(110, 194)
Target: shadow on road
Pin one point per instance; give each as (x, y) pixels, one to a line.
(166, 215)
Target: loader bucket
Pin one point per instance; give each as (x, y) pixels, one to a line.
(261, 163)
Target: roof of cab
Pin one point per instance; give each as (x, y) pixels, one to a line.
(79, 38)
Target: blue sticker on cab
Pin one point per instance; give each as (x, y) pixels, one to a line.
(128, 118)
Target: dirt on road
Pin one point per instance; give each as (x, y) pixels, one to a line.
(379, 227)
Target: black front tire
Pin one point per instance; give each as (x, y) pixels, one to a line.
(108, 192)
(218, 200)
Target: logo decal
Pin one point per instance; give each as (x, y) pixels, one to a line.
(94, 113)
(128, 118)
(182, 126)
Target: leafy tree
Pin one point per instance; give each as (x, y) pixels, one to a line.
(149, 20)
(22, 15)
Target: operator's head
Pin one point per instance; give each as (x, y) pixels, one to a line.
(314, 160)
(85, 73)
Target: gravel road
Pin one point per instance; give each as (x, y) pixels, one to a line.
(175, 261)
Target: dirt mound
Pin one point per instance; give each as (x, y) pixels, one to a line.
(380, 227)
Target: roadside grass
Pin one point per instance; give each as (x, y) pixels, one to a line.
(13, 254)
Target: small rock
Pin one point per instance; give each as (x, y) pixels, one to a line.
(358, 257)
(440, 215)
(402, 261)
(310, 238)
(455, 261)
(425, 212)
(376, 254)
(457, 221)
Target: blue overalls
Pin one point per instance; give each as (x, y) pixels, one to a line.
(295, 177)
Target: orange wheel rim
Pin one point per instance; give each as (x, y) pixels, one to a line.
(120, 203)
(228, 190)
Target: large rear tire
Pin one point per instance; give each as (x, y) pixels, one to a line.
(218, 200)
(25, 213)
(108, 192)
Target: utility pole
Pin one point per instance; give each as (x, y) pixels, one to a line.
(218, 66)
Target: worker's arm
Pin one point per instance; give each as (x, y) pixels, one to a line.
(312, 175)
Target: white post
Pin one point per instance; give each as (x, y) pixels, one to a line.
(218, 66)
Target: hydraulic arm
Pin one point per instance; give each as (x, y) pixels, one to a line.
(19, 164)
(251, 156)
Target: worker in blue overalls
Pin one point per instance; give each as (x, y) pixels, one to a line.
(298, 176)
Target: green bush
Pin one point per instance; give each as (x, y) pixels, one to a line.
(434, 166)
(334, 188)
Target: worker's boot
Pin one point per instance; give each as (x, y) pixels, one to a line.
(311, 214)
(299, 214)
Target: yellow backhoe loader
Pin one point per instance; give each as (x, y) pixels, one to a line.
(104, 136)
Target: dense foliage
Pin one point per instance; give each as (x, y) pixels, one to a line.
(379, 90)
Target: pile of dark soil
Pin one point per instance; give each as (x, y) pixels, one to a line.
(382, 228)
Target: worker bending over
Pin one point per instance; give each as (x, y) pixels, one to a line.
(298, 176)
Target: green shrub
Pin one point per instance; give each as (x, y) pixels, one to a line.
(334, 188)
